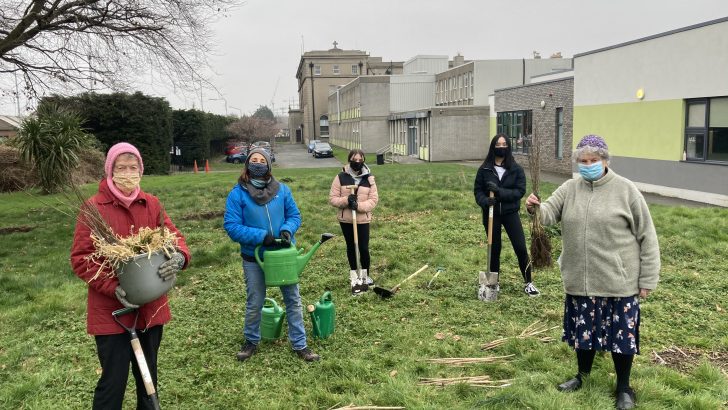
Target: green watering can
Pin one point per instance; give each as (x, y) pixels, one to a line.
(323, 316)
(271, 323)
(282, 266)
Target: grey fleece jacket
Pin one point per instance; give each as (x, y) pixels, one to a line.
(609, 241)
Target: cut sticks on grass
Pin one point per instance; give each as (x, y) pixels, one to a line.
(475, 381)
(540, 241)
(464, 361)
(352, 406)
(534, 330)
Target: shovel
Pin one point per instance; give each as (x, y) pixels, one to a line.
(388, 293)
(364, 285)
(138, 354)
(488, 290)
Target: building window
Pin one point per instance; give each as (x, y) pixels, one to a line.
(706, 129)
(317, 70)
(559, 143)
(517, 126)
(324, 125)
(355, 69)
(336, 69)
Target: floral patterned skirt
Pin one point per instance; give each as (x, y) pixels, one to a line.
(602, 323)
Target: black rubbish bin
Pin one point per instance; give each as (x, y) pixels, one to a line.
(380, 159)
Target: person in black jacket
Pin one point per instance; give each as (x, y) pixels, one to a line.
(501, 175)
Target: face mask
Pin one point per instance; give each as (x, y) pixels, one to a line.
(127, 182)
(591, 172)
(257, 170)
(356, 166)
(500, 152)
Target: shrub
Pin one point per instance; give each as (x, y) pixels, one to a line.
(51, 141)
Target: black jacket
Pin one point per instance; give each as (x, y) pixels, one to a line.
(510, 189)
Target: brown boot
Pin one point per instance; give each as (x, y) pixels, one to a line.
(247, 350)
(308, 355)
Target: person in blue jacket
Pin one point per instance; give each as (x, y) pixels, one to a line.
(260, 209)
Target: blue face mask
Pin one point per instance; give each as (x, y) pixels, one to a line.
(257, 170)
(591, 172)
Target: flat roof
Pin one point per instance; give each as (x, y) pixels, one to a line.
(654, 36)
(570, 78)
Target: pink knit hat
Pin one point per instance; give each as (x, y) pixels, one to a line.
(115, 151)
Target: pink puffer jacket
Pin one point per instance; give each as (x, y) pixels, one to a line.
(366, 196)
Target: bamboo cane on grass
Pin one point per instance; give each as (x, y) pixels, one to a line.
(540, 241)
(464, 361)
(352, 406)
(475, 381)
(533, 330)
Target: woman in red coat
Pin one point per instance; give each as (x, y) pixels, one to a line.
(126, 209)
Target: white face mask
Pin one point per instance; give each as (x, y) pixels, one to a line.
(127, 181)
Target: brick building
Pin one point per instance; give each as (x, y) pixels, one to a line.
(542, 110)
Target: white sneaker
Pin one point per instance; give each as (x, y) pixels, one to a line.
(366, 278)
(531, 290)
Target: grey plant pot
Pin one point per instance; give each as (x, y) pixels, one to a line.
(140, 280)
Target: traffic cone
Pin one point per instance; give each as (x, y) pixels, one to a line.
(195, 167)
(207, 167)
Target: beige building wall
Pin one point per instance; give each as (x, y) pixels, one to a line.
(358, 114)
(321, 71)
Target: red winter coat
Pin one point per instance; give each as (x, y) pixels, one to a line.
(143, 212)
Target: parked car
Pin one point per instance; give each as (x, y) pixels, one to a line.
(322, 149)
(237, 158)
(260, 144)
(311, 144)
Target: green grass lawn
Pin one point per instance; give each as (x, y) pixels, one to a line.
(426, 215)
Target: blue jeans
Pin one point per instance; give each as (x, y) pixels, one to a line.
(255, 291)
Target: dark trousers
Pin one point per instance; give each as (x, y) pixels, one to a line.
(514, 229)
(115, 353)
(362, 231)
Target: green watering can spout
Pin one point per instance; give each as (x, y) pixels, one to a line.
(302, 260)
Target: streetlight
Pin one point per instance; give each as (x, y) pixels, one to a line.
(239, 110)
(218, 99)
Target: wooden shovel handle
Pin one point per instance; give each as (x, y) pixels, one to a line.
(394, 289)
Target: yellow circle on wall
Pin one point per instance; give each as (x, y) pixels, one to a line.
(640, 94)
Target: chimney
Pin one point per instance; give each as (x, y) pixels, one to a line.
(458, 60)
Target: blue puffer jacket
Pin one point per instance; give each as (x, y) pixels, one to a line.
(247, 223)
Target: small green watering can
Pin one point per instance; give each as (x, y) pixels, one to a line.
(323, 316)
(282, 266)
(271, 323)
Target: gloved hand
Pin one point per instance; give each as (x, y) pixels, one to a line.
(169, 269)
(352, 202)
(121, 296)
(285, 239)
(269, 240)
(492, 187)
(491, 201)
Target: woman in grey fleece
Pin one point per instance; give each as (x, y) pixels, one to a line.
(610, 260)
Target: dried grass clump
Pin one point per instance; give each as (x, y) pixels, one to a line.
(115, 253)
(540, 241)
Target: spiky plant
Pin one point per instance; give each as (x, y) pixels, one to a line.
(51, 141)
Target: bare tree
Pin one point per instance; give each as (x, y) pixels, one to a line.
(251, 129)
(86, 44)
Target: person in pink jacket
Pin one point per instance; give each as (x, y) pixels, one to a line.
(355, 174)
(126, 208)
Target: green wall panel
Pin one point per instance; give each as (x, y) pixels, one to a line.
(645, 129)
(493, 127)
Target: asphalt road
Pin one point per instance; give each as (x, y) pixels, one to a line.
(297, 156)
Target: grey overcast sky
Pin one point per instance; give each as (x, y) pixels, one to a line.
(259, 44)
